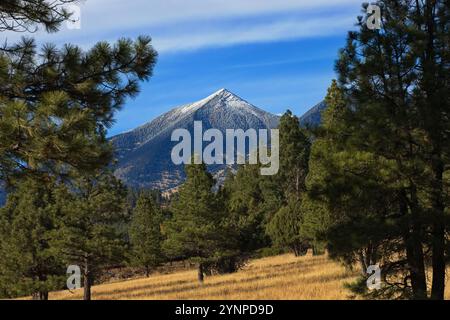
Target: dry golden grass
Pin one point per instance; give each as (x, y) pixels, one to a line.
(282, 277)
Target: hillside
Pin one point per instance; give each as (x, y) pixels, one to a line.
(144, 154)
(282, 277)
(313, 117)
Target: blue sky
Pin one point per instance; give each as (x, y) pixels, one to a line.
(276, 54)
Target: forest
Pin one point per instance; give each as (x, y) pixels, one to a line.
(368, 186)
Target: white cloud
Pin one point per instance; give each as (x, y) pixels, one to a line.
(194, 24)
(266, 32)
(119, 14)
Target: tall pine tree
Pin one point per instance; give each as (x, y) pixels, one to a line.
(195, 231)
(145, 234)
(29, 265)
(87, 233)
(284, 227)
(388, 171)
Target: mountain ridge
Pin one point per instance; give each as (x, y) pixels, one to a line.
(143, 154)
(138, 150)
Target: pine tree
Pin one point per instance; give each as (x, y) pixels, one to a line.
(87, 233)
(20, 15)
(285, 226)
(385, 174)
(145, 234)
(195, 230)
(56, 104)
(28, 265)
(251, 201)
(294, 156)
(351, 195)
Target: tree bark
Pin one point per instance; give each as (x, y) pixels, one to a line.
(414, 250)
(87, 281)
(435, 127)
(200, 273)
(438, 234)
(87, 287)
(438, 261)
(414, 255)
(40, 296)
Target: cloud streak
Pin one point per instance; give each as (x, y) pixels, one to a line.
(196, 24)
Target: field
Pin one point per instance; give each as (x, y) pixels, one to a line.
(281, 277)
(284, 277)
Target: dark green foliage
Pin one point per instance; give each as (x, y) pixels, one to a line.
(145, 234)
(55, 107)
(294, 156)
(28, 264)
(315, 222)
(56, 104)
(87, 230)
(380, 167)
(352, 194)
(285, 226)
(27, 15)
(251, 199)
(196, 230)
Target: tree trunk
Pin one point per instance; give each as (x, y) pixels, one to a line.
(362, 263)
(296, 250)
(87, 281)
(414, 255)
(438, 234)
(40, 296)
(438, 261)
(87, 287)
(435, 108)
(414, 250)
(200, 273)
(147, 271)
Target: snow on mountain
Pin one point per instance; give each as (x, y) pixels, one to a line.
(144, 154)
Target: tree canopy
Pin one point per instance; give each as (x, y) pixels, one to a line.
(27, 15)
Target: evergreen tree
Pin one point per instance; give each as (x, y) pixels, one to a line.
(385, 177)
(352, 196)
(294, 156)
(28, 265)
(87, 232)
(195, 230)
(56, 104)
(251, 201)
(285, 229)
(145, 234)
(21, 15)
(285, 226)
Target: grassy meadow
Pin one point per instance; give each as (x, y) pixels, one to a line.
(280, 277)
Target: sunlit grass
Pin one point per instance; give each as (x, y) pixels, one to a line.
(280, 277)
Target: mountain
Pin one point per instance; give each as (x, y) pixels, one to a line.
(144, 154)
(313, 117)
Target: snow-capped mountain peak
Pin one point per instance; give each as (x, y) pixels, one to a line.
(144, 154)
